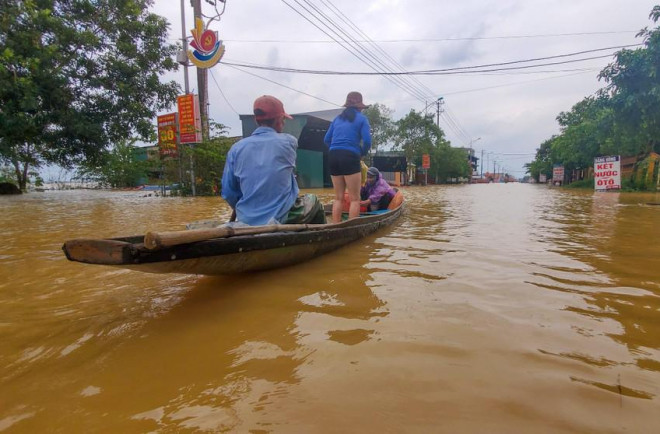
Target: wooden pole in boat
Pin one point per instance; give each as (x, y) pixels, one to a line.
(159, 240)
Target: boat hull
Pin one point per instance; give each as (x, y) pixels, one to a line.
(237, 254)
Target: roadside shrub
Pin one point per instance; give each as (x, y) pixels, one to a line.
(585, 183)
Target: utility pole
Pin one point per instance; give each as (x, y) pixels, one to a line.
(183, 57)
(439, 102)
(482, 164)
(202, 89)
(183, 60)
(202, 81)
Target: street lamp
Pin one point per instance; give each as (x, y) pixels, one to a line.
(472, 141)
(438, 102)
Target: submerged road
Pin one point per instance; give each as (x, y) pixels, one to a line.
(486, 308)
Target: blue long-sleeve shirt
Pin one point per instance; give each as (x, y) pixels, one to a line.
(258, 180)
(344, 134)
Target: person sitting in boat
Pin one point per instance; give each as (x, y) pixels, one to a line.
(258, 180)
(376, 194)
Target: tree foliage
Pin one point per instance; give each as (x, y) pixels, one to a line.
(77, 76)
(120, 168)
(542, 164)
(622, 118)
(416, 134)
(209, 160)
(382, 126)
(633, 85)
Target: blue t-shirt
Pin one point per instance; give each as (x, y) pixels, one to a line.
(258, 180)
(344, 134)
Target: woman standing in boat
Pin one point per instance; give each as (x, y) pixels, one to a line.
(343, 138)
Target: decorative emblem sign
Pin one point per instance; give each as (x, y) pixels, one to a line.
(208, 49)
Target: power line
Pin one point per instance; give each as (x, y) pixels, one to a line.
(558, 56)
(346, 44)
(222, 93)
(376, 59)
(451, 118)
(450, 71)
(547, 71)
(387, 41)
(516, 83)
(379, 49)
(349, 44)
(283, 85)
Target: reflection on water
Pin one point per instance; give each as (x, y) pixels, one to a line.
(486, 308)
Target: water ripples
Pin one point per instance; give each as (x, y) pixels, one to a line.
(482, 297)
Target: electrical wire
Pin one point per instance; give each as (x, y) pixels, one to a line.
(453, 124)
(368, 53)
(222, 93)
(283, 85)
(451, 71)
(348, 43)
(396, 64)
(425, 40)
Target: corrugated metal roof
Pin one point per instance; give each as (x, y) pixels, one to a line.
(326, 115)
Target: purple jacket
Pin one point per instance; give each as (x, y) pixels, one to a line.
(376, 191)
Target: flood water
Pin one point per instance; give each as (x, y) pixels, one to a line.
(486, 308)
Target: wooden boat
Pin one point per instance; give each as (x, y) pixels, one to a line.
(229, 250)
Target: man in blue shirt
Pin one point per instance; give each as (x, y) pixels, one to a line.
(258, 181)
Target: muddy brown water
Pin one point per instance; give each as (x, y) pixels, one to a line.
(486, 308)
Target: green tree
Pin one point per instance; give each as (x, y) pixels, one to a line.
(586, 130)
(542, 164)
(621, 118)
(416, 134)
(120, 168)
(7, 174)
(209, 159)
(382, 125)
(77, 76)
(450, 163)
(633, 83)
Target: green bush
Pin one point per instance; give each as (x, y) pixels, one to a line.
(585, 183)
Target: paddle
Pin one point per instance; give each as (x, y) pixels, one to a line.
(158, 240)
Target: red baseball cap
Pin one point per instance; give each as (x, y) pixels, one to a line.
(269, 107)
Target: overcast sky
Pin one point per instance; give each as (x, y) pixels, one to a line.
(505, 114)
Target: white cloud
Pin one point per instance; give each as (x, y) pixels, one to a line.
(510, 112)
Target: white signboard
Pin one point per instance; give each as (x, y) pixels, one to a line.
(607, 173)
(557, 174)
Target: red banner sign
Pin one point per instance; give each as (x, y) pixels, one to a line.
(190, 122)
(167, 135)
(426, 161)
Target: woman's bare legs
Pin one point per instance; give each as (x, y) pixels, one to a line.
(353, 186)
(339, 184)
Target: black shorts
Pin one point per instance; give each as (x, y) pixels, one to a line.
(343, 162)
